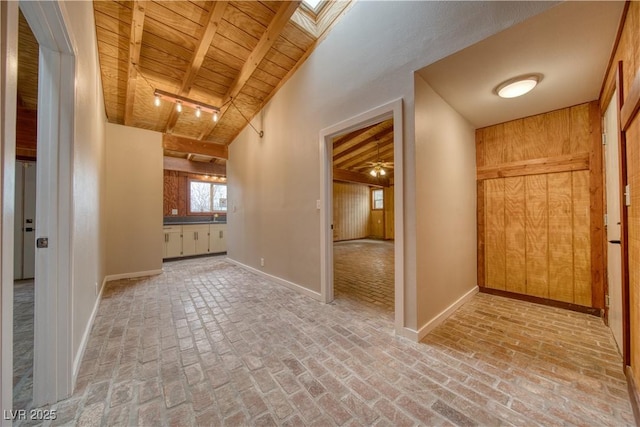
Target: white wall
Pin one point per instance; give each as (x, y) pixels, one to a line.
(274, 182)
(88, 169)
(445, 203)
(134, 201)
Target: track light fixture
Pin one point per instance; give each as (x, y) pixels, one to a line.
(181, 101)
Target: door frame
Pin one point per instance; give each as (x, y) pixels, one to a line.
(386, 111)
(8, 99)
(607, 98)
(52, 370)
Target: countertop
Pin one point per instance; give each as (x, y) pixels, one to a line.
(193, 223)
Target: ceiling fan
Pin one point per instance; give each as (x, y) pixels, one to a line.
(378, 167)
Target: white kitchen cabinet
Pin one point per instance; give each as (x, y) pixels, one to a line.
(217, 241)
(172, 241)
(195, 239)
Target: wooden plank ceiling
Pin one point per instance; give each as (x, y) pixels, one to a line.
(230, 54)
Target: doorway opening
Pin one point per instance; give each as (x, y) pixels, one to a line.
(363, 190)
(25, 215)
(344, 177)
(613, 221)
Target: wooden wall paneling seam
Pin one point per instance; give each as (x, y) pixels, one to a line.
(565, 163)
(135, 45)
(480, 218)
(596, 208)
(515, 208)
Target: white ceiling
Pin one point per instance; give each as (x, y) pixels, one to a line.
(569, 44)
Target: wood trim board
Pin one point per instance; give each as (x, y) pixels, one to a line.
(572, 162)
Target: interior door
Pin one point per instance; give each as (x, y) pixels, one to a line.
(24, 230)
(29, 222)
(614, 253)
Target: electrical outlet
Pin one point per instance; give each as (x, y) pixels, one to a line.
(261, 262)
(97, 290)
(174, 211)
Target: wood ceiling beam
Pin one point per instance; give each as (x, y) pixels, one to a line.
(193, 146)
(359, 178)
(379, 137)
(368, 156)
(364, 150)
(265, 43)
(135, 45)
(188, 166)
(213, 23)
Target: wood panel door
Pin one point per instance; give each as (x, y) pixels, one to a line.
(613, 223)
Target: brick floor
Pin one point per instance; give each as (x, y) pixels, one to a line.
(23, 298)
(363, 272)
(208, 343)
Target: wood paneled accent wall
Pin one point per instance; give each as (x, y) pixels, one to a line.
(26, 133)
(351, 211)
(627, 52)
(176, 191)
(540, 203)
(389, 213)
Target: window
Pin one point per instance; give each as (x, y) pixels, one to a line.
(207, 197)
(377, 199)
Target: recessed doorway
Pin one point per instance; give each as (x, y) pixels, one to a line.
(362, 194)
(341, 167)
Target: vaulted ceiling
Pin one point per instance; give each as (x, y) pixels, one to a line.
(229, 54)
(359, 151)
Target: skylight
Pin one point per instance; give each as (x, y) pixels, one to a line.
(312, 4)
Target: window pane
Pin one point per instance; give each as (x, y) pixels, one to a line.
(200, 196)
(219, 197)
(377, 196)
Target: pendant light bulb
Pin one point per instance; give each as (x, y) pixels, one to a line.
(179, 107)
(157, 100)
(198, 112)
(382, 172)
(215, 116)
(373, 173)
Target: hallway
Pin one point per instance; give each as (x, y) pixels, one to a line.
(208, 343)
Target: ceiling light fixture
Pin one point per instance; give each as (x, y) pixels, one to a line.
(215, 116)
(377, 171)
(518, 86)
(181, 101)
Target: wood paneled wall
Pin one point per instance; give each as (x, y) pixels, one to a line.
(26, 133)
(389, 202)
(540, 206)
(176, 191)
(627, 52)
(351, 211)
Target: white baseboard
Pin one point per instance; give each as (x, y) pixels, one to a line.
(133, 275)
(288, 284)
(444, 314)
(85, 336)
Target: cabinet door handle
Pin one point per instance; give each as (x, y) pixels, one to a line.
(221, 234)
